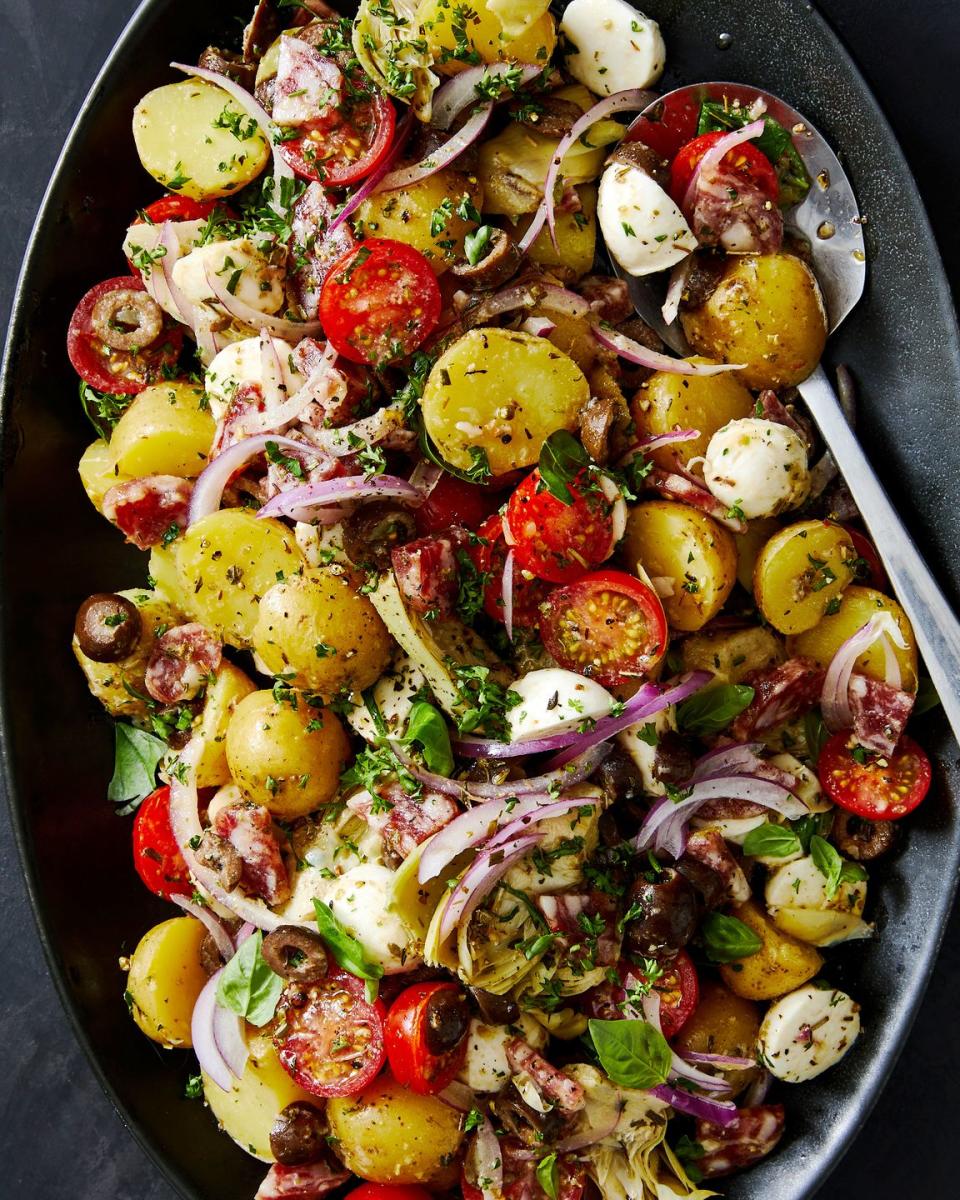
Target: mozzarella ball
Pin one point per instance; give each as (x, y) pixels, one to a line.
(239, 363)
(636, 741)
(554, 701)
(395, 693)
(758, 467)
(239, 266)
(807, 1031)
(801, 884)
(643, 228)
(485, 1069)
(612, 46)
(361, 901)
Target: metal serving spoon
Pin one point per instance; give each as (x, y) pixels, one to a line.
(828, 218)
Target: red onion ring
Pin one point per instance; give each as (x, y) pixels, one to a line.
(254, 318)
(533, 816)
(301, 503)
(458, 1096)
(720, 1112)
(441, 157)
(483, 1165)
(538, 326)
(230, 1039)
(469, 829)
(209, 488)
(835, 698)
(534, 229)
(372, 182)
(205, 1047)
(212, 924)
(168, 239)
(654, 441)
(561, 299)
(720, 1060)
(678, 281)
(756, 1093)
(457, 93)
(507, 592)
(479, 880)
(633, 352)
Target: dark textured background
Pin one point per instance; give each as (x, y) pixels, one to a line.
(59, 1138)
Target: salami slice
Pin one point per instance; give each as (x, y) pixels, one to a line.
(728, 1148)
(678, 487)
(249, 829)
(308, 1182)
(427, 573)
(182, 662)
(574, 915)
(880, 713)
(312, 250)
(734, 213)
(148, 509)
(780, 694)
(551, 1082)
(709, 848)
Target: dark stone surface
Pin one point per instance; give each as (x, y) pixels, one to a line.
(59, 1137)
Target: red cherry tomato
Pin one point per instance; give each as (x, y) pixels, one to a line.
(122, 372)
(520, 1174)
(609, 626)
(455, 502)
(556, 541)
(348, 148)
(678, 988)
(389, 1191)
(871, 569)
(331, 1039)
(156, 854)
(379, 302)
(176, 208)
(408, 1035)
(489, 557)
(670, 124)
(745, 158)
(878, 788)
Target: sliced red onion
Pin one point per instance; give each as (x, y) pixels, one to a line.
(681, 1070)
(470, 829)
(246, 930)
(834, 698)
(212, 924)
(562, 300)
(425, 476)
(168, 240)
(253, 108)
(705, 1108)
(533, 230)
(678, 281)
(301, 503)
(509, 300)
(723, 759)
(254, 318)
(538, 326)
(209, 344)
(508, 594)
(201, 1035)
(634, 712)
(441, 157)
(633, 352)
(542, 812)
(720, 1060)
(654, 441)
(756, 1093)
(480, 878)
(891, 665)
(230, 1038)
(716, 154)
(209, 488)
(618, 511)
(372, 182)
(461, 91)
(632, 98)
(458, 1096)
(483, 1165)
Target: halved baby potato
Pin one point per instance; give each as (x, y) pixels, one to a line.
(166, 976)
(801, 572)
(167, 430)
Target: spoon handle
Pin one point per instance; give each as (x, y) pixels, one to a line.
(936, 628)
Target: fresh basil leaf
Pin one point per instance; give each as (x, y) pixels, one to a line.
(834, 869)
(816, 733)
(376, 716)
(807, 827)
(712, 710)
(632, 1053)
(247, 986)
(137, 755)
(476, 245)
(426, 726)
(562, 458)
(727, 938)
(927, 697)
(776, 143)
(346, 950)
(771, 841)
(548, 1175)
(852, 872)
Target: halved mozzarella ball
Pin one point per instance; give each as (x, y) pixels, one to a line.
(807, 786)
(801, 884)
(554, 701)
(643, 228)
(485, 1069)
(758, 467)
(140, 244)
(612, 46)
(239, 266)
(640, 742)
(240, 363)
(807, 1031)
(360, 900)
(395, 693)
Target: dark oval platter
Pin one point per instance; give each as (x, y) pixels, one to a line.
(901, 342)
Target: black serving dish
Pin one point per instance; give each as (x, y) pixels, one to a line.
(902, 343)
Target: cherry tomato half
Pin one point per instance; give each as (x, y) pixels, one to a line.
(331, 1039)
(426, 1036)
(670, 124)
(678, 988)
(120, 371)
(176, 208)
(609, 626)
(455, 502)
(745, 158)
(870, 570)
(389, 1191)
(878, 788)
(347, 149)
(379, 302)
(489, 557)
(156, 854)
(556, 541)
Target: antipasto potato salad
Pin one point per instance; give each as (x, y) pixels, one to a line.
(527, 703)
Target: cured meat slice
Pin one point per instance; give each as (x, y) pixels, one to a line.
(732, 212)
(551, 1082)
(148, 509)
(678, 487)
(308, 1182)
(780, 694)
(312, 251)
(427, 573)
(249, 829)
(728, 1148)
(709, 848)
(308, 88)
(880, 713)
(182, 662)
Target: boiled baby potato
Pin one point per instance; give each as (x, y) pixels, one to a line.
(576, 236)
(167, 430)
(732, 654)
(686, 549)
(98, 472)
(247, 1112)
(165, 979)
(429, 215)
(195, 140)
(320, 634)
(226, 561)
(781, 964)
(485, 33)
(285, 754)
(722, 1023)
(119, 686)
(801, 573)
(222, 697)
(162, 571)
(502, 393)
(749, 545)
(387, 1134)
(766, 313)
(666, 402)
(857, 606)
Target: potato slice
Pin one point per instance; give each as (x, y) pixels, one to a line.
(194, 139)
(801, 572)
(857, 606)
(487, 34)
(223, 695)
(165, 979)
(167, 430)
(687, 550)
(98, 472)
